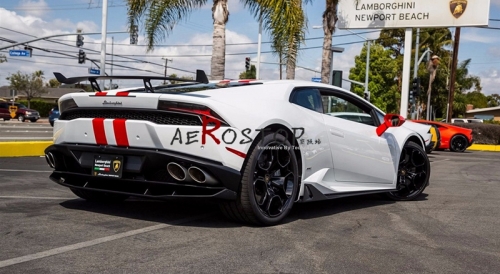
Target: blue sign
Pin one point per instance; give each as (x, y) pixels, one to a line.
(94, 71)
(316, 79)
(18, 52)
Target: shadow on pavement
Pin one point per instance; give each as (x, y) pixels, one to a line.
(170, 212)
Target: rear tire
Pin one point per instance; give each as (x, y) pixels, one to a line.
(414, 171)
(96, 196)
(458, 143)
(269, 184)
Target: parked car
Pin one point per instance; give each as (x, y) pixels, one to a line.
(257, 147)
(53, 115)
(464, 120)
(454, 138)
(22, 114)
(4, 111)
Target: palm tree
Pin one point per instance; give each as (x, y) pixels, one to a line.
(286, 22)
(329, 20)
(284, 19)
(161, 16)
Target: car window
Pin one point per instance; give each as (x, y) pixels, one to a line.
(346, 108)
(3, 105)
(20, 106)
(309, 98)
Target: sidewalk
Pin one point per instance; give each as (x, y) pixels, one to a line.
(42, 120)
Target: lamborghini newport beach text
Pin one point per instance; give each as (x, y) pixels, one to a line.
(182, 141)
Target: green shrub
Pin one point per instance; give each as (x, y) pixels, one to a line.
(41, 106)
(484, 133)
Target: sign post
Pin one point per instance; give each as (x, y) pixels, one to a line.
(19, 52)
(390, 14)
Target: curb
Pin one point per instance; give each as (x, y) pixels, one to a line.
(23, 149)
(484, 147)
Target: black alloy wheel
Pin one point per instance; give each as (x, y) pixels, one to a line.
(458, 143)
(269, 183)
(413, 173)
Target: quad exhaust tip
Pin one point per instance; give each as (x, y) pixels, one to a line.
(51, 160)
(177, 171)
(196, 174)
(201, 176)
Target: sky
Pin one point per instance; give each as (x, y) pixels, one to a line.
(189, 45)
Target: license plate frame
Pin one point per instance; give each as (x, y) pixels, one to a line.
(108, 166)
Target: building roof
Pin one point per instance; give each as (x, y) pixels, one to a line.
(478, 110)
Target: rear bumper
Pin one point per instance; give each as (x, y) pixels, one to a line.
(144, 173)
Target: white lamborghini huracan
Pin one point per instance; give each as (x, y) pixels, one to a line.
(258, 147)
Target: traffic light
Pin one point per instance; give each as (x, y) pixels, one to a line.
(79, 40)
(81, 57)
(133, 35)
(415, 88)
(337, 78)
(247, 63)
(29, 49)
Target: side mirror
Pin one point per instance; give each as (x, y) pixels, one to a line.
(390, 120)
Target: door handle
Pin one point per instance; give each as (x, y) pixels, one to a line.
(337, 133)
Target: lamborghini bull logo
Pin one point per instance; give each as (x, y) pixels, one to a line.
(457, 7)
(116, 165)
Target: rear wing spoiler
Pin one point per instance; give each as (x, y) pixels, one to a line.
(201, 78)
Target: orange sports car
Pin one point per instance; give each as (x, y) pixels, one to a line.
(454, 138)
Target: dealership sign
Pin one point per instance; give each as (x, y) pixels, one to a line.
(380, 14)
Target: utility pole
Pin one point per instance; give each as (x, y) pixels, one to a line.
(415, 74)
(103, 35)
(451, 94)
(165, 73)
(112, 47)
(257, 75)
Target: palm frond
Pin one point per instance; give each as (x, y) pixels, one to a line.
(160, 16)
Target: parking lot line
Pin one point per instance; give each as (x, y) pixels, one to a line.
(433, 162)
(37, 198)
(27, 171)
(106, 239)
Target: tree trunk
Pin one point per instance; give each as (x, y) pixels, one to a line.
(326, 58)
(329, 20)
(290, 67)
(220, 14)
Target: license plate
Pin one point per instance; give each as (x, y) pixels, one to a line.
(110, 166)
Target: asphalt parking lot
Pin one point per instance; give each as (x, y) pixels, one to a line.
(452, 228)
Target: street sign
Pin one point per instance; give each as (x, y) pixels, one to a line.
(94, 71)
(13, 111)
(18, 52)
(316, 79)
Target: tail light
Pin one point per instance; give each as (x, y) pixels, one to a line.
(190, 108)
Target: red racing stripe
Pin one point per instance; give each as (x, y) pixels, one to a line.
(120, 130)
(101, 93)
(239, 153)
(99, 133)
(122, 93)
